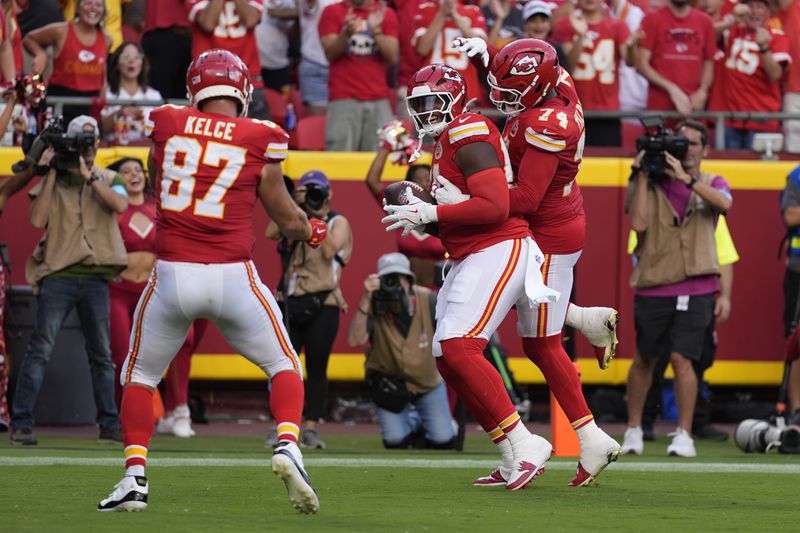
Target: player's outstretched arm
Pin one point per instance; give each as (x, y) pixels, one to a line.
(487, 184)
(536, 171)
(280, 207)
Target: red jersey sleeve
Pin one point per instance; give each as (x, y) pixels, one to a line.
(271, 141)
(549, 132)
(160, 123)
(330, 23)
(649, 27)
(536, 171)
(780, 47)
(468, 128)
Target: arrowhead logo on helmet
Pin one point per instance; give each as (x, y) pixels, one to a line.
(524, 66)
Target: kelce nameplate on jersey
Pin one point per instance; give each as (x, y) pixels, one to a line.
(207, 127)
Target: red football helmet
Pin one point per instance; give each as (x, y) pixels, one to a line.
(521, 75)
(219, 73)
(435, 98)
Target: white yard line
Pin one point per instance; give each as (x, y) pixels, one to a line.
(322, 462)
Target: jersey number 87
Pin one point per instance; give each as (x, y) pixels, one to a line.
(182, 157)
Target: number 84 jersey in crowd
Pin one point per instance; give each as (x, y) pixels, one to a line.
(545, 148)
(208, 168)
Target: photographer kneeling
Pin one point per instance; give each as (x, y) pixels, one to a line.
(81, 251)
(673, 206)
(397, 318)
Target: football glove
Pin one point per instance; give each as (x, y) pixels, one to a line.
(448, 194)
(410, 216)
(319, 230)
(473, 46)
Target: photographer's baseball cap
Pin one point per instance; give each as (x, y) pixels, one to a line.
(77, 124)
(536, 7)
(315, 177)
(395, 263)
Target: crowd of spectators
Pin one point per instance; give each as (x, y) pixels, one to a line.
(351, 59)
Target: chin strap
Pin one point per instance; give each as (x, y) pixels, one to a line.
(418, 150)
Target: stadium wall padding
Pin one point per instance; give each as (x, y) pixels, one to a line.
(751, 344)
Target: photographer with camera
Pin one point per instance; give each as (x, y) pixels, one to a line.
(396, 316)
(673, 206)
(313, 297)
(80, 252)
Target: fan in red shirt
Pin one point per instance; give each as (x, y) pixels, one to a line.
(210, 164)
(230, 25)
(596, 46)
(677, 57)
(756, 59)
(360, 41)
(496, 263)
(80, 50)
(437, 24)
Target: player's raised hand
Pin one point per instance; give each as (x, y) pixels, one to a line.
(319, 230)
(473, 46)
(448, 194)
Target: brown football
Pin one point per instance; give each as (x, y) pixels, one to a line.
(396, 193)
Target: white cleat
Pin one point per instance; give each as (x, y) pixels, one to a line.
(682, 444)
(182, 425)
(529, 462)
(130, 494)
(634, 441)
(597, 452)
(287, 464)
(599, 326)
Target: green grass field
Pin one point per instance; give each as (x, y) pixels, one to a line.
(225, 484)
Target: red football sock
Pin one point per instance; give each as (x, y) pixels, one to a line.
(473, 405)
(548, 354)
(286, 404)
(476, 381)
(137, 423)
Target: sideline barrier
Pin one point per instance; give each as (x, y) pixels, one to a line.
(751, 344)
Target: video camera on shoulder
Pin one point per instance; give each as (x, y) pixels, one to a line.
(655, 142)
(68, 147)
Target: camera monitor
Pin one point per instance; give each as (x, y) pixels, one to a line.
(768, 144)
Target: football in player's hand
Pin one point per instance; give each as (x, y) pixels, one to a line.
(397, 193)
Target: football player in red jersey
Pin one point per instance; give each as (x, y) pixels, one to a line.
(496, 263)
(545, 135)
(210, 164)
